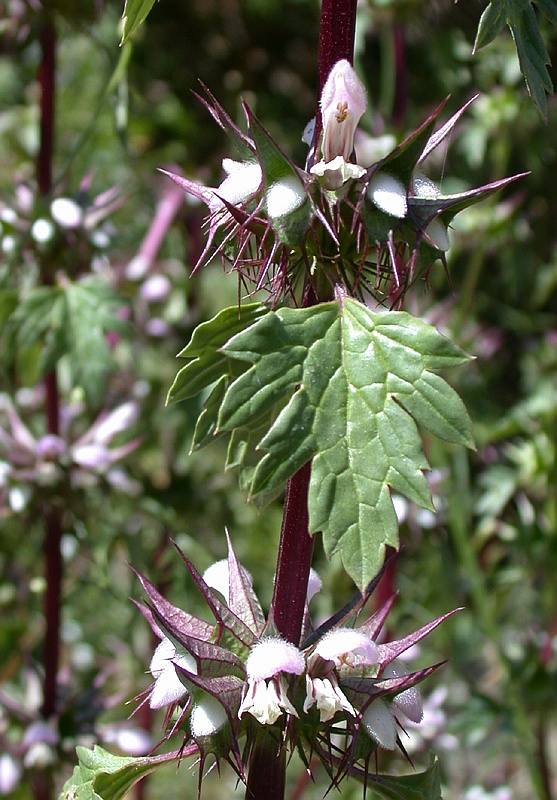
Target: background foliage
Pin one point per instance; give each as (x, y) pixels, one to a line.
(492, 547)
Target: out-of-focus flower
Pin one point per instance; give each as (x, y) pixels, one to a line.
(266, 690)
(66, 212)
(42, 461)
(92, 450)
(10, 773)
(131, 740)
(42, 230)
(155, 288)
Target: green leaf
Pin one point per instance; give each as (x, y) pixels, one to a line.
(71, 320)
(492, 23)
(346, 387)
(207, 364)
(549, 9)
(532, 55)
(102, 776)
(419, 786)
(519, 15)
(135, 12)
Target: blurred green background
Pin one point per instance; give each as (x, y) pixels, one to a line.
(492, 547)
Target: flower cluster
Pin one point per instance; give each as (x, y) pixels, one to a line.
(30, 226)
(220, 682)
(368, 229)
(51, 460)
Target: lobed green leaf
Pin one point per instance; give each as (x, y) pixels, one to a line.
(346, 387)
(102, 776)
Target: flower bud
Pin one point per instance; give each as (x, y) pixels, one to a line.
(343, 101)
(379, 722)
(388, 194)
(285, 197)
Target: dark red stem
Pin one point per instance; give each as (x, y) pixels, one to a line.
(47, 78)
(294, 559)
(399, 106)
(336, 41)
(337, 29)
(53, 516)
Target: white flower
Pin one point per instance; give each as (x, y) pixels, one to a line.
(155, 288)
(10, 773)
(343, 101)
(266, 690)
(168, 688)
(217, 577)
(388, 194)
(438, 235)
(335, 173)
(422, 186)
(314, 584)
(327, 694)
(242, 182)
(347, 646)
(436, 232)
(409, 701)
(343, 647)
(42, 231)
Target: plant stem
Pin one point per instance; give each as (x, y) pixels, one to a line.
(43, 785)
(53, 516)
(294, 559)
(267, 768)
(337, 29)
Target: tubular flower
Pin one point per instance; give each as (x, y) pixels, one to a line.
(327, 695)
(341, 647)
(266, 690)
(343, 101)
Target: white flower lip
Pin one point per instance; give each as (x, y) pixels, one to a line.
(269, 657)
(347, 646)
(327, 694)
(335, 173)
